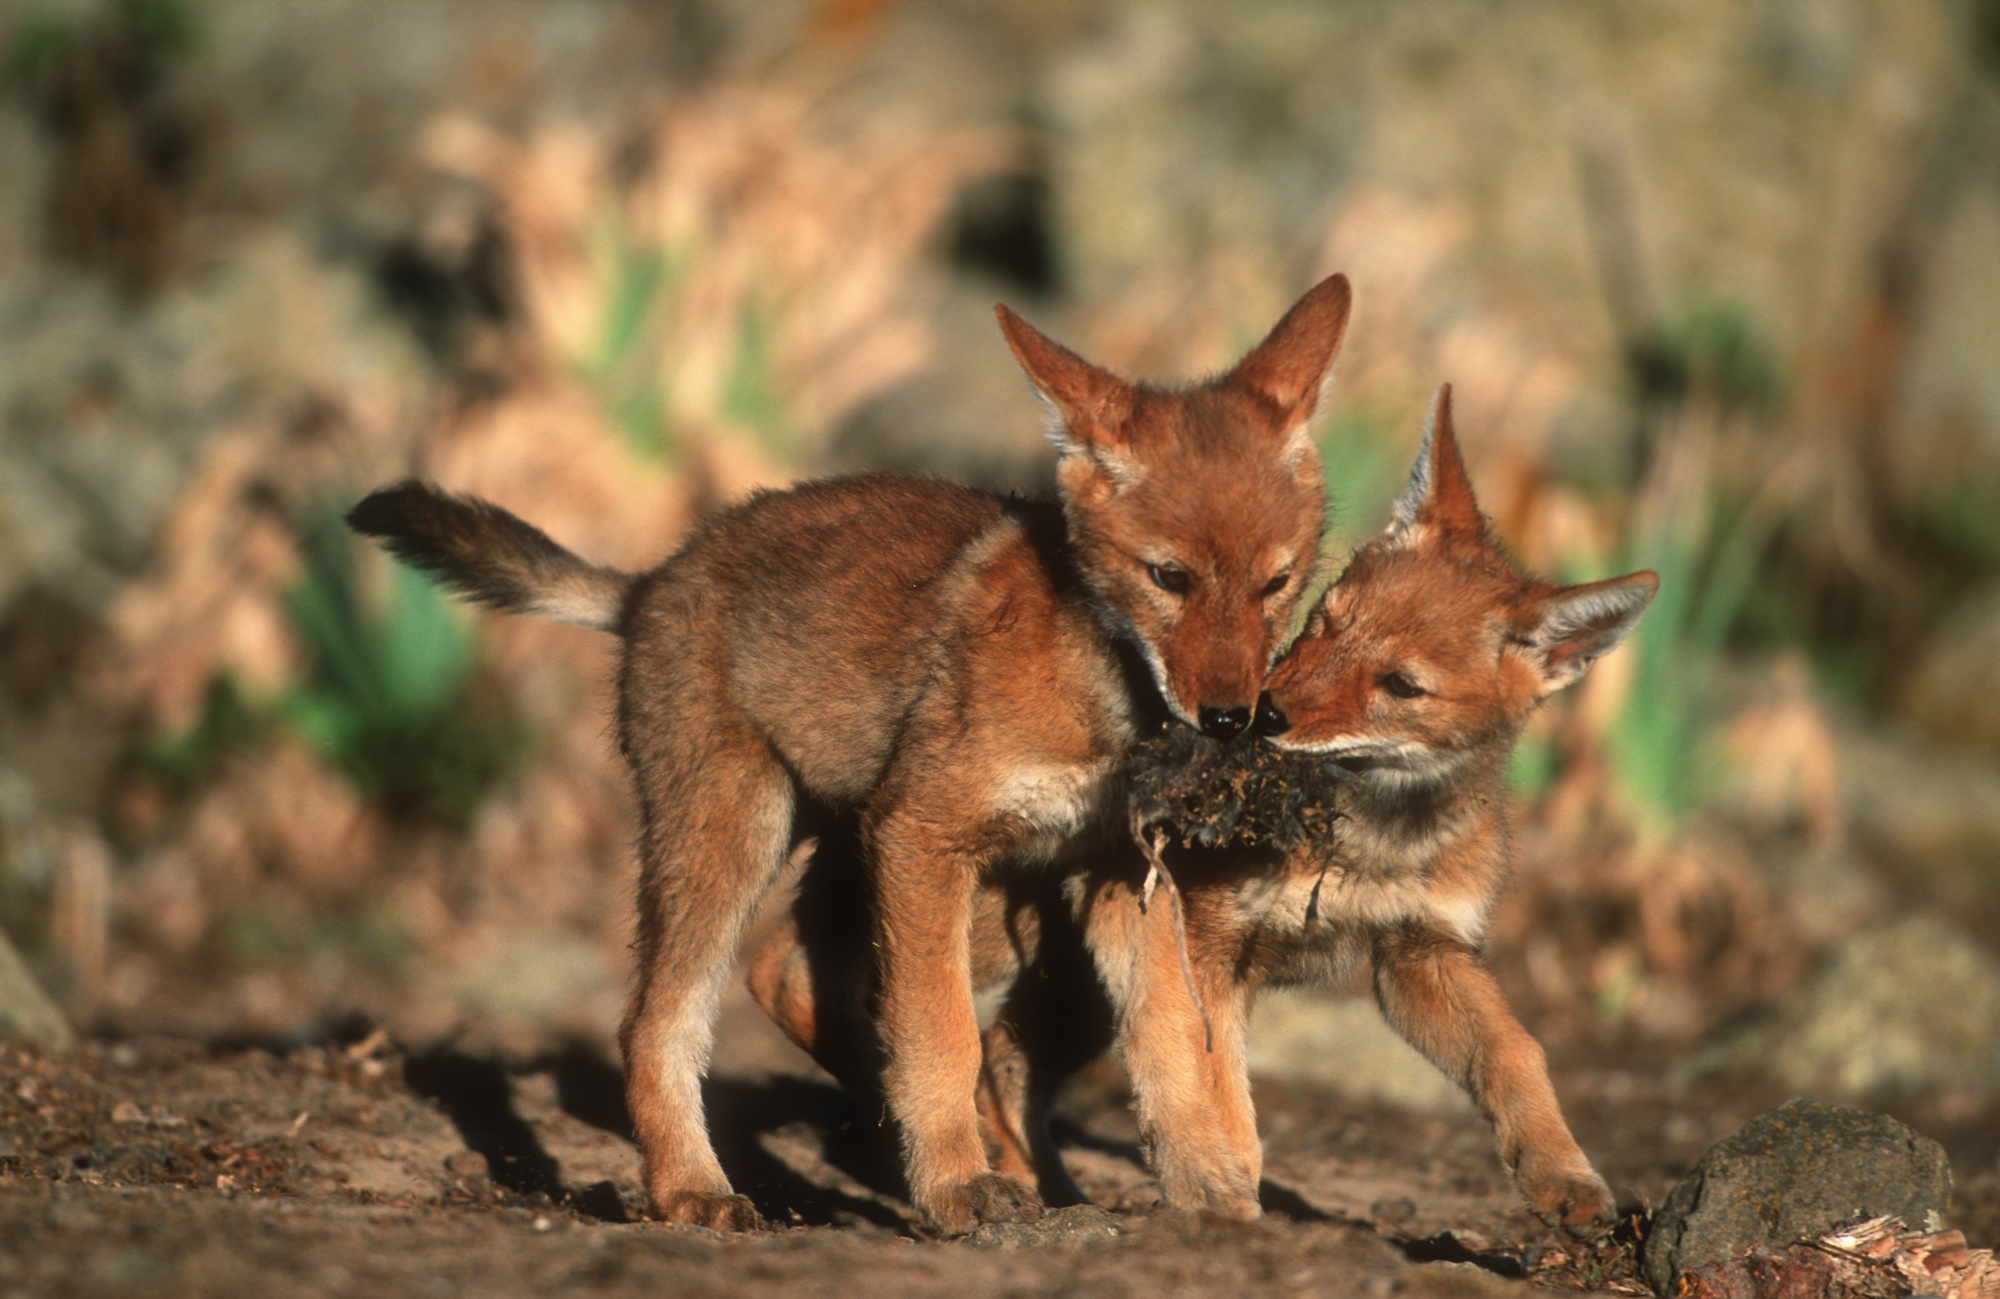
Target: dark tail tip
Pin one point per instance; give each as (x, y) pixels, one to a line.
(387, 511)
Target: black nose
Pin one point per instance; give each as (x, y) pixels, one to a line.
(1271, 719)
(1223, 723)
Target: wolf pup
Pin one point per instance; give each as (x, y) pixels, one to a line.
(959, 673)
(1417, 672)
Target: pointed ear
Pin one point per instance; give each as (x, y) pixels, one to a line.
(1579, 624)
(1291, 367)
(1439, 494)
(1087, 405)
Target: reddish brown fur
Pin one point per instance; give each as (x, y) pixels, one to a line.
(1408, 886)
(941, 666)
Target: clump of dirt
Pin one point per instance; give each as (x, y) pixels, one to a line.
(1608, 1263)
(1212, 794)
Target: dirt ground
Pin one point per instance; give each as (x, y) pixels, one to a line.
(159, 1166)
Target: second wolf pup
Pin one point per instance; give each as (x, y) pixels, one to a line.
(1417, 673)
(950, 669)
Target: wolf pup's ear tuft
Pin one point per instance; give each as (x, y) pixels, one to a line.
(1439, 495)
(1087, 404)
(1293, 365)
(1580, 624)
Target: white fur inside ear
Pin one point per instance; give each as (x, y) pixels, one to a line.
(1054, 427)
(1581, 625)
(1122, 470)
(1607, 614)
(1300, 451)
(1306, 411)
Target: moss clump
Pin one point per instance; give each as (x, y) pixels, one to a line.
(1212, 794)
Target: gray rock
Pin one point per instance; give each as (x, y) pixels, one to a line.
(1953, 695)
(1081, 1224)
(1907, 1008)
(26, 1013)
(1342, 1043)
(1802, 1170)
(1934, 813)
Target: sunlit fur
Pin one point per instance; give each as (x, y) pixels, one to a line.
(1406, 884)
(1434, 604)
(930, 666)
(1218, 481)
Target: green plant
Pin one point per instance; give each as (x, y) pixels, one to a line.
(227, 724)
(387, 701)
(751, 397)
(1531, 767)
(259, 938)
(1712, 349)
(624, 364)
(39, 44)
(1958, 519)
(153, 34)
(1659, 744)
(624, 367)
(1365, 465)
(1362, 475)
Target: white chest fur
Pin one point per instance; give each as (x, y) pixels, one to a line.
(1048, 806)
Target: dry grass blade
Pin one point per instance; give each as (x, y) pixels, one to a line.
(1152, 843)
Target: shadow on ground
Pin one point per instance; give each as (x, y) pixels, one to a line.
(477, 1094)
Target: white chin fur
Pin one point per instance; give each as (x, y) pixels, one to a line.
(1118, 625)
(1159, 671)
(1393, 765)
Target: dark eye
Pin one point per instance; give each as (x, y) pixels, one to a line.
(1277, 583)
(1400, 685)
(1169, 577)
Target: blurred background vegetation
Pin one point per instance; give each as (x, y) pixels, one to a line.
(1717, 284)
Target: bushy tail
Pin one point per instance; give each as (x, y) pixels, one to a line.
(486, 554)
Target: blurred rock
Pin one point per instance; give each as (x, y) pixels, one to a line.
(1932, 814)
(971, 415)
(1343, 1043)
(1910, 1007)
(1079, 1224)
(25, 1010)
(28, 844)
(1953, 696)
(531, 987)
(1829, 894)
(1800, 1171)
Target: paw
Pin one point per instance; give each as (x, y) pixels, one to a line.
(1215, 1192)
(1569, 1195)
(1141, 1197)
(717, 1212)
(988, 1197)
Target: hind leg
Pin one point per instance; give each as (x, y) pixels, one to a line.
(818, 999)
(1020, 1077)
(718, 821)
(1056, 1020)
